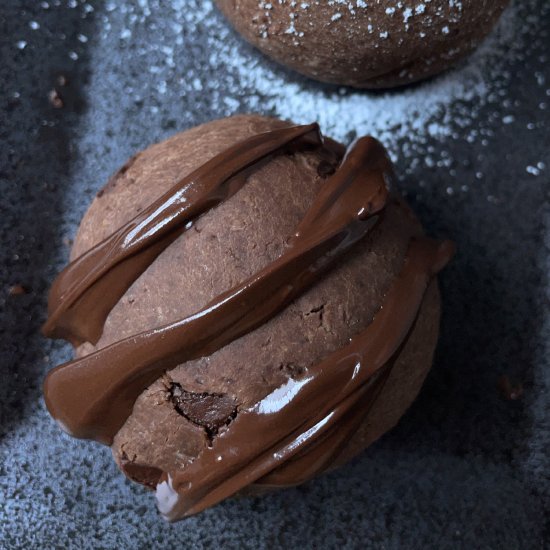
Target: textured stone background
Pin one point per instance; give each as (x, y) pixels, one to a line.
(465, 468)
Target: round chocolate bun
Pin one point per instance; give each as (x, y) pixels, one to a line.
(173, 420)
(370, 44)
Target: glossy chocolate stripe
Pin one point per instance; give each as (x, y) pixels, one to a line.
(87, 289)
(93, 396)
(293, 417)
(321, 454)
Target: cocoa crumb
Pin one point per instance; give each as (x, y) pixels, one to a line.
(17, 290)
(61, 80)
(511, 392)
(55, 99)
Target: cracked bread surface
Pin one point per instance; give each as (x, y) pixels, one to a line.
(179, 414)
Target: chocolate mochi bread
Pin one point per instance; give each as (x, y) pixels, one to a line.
(370, 44)
(192, 407)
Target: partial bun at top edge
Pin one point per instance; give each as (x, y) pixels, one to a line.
(375, 44)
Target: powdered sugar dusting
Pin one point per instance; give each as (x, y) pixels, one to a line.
(437, 19)
(422, 110)
(258, 85)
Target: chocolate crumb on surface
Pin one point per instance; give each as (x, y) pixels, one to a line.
(146, 475)
(209, 410)
(61, 80)
(510, 391)
(17, 290)
(55, 99)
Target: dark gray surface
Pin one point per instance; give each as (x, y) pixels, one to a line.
(464, 468)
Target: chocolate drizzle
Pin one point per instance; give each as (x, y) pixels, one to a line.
(300, 428)
(86, 290)
(342, 213)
